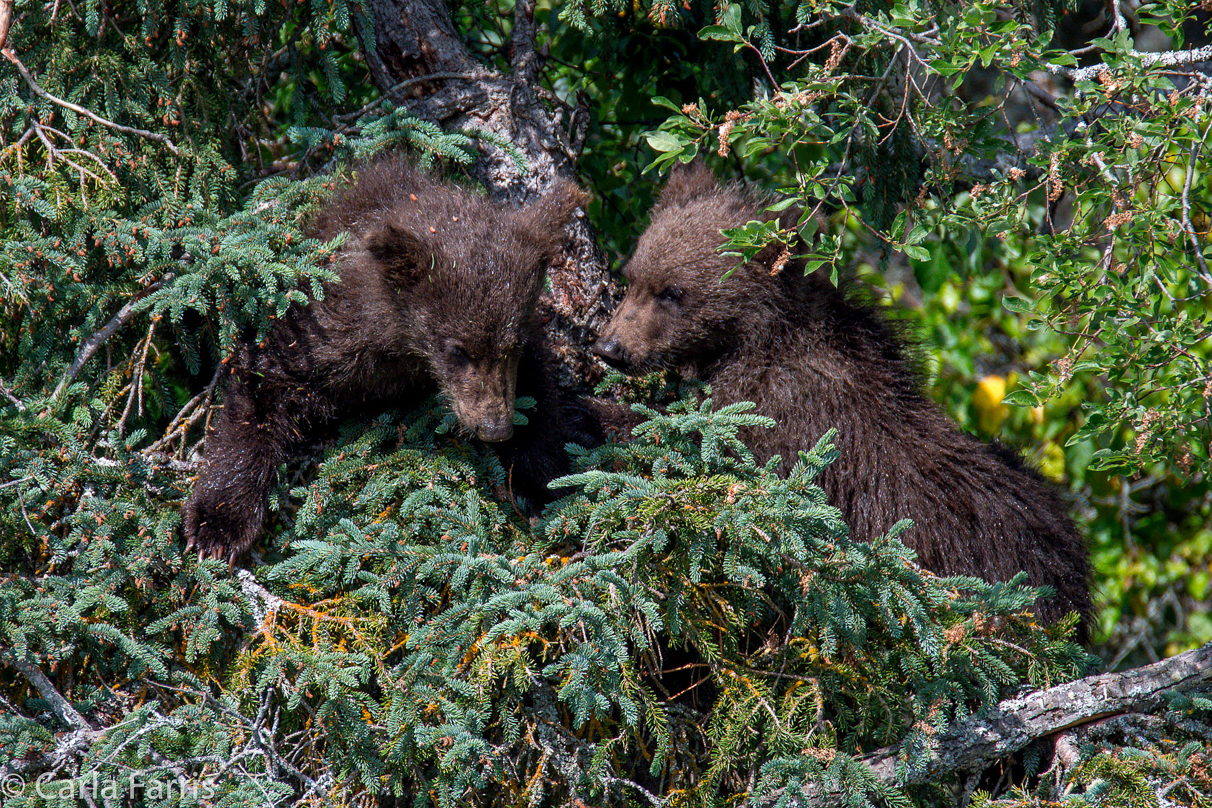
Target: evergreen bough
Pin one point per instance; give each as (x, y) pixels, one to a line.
(413, 635)
(682, 627)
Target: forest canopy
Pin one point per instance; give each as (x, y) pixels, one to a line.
(1023, 185)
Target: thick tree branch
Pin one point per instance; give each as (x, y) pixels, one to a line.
(1015, 723)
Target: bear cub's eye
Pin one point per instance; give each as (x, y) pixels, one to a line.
(670, 294)
(457, 355)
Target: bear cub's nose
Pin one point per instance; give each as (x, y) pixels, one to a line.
(494, 431)
(609, 349)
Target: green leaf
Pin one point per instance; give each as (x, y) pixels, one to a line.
(1021, 398)
(662, 101)
(1019, 305)
(665, 142)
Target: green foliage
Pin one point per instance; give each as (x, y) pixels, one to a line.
(1049, 221)
(682, 624)
(683, 621)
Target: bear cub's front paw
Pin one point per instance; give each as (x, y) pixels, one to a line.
(218, 526)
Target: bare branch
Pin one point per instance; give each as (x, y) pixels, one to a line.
(46, 689)
(41, 93)
(98, 339)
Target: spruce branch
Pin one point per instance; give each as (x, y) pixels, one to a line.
(79, 110)
(99, 338)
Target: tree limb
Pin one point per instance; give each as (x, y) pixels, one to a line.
(1015, 723)
(41, 93)
(98, 339)
(46, 689)
(1147, 60)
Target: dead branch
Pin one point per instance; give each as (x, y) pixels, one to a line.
(1015, 723)
(46, 689)
(98, 339)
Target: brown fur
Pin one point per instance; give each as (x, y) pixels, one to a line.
(437, 289)
(812, 359)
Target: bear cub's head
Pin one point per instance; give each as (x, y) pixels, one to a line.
(686, 302)
(458, 277)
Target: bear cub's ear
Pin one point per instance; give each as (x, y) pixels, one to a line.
(543, 222)
(687, 182)
(401, 252)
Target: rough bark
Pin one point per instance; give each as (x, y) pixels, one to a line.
(416, 38)
(1013, 724)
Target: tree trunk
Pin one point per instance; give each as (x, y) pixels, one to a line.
(415, 38)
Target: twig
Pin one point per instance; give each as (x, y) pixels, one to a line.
(1191, 236)
(895, 33)
(7, 393)
(136, 380)
(41, 93)
(189, 415)
(98, 339)
(1147, 60)
(1040, 94)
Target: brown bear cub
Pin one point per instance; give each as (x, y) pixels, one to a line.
(437, 290)
(812, 359)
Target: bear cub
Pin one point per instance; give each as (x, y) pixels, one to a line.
(812, 358)
(437, 290)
